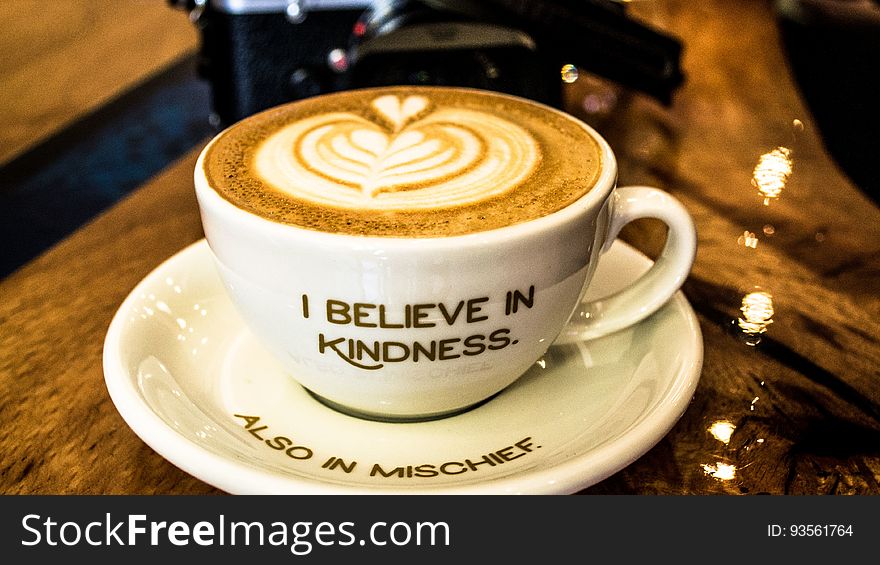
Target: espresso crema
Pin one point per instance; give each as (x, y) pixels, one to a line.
(404, 162)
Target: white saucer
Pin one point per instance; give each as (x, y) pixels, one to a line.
(179, 366)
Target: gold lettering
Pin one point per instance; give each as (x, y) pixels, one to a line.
(499, 339)
(450, 319)
(419, 313)
(371, 353)
(426, 471)
(338, 312)
(335, 462)
(507, 455)
(485, 460)
(474, 345)
(299, 452)
(450, 463)
(251, 420)
(419, 351)
(387, 352)
(279, 443)
(520, 298)
(383, 323)
(323, 344)
(473, 309)
(525, 444)
(446, 348)
(360, 315)
(378, 470)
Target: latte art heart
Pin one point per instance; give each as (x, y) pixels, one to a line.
(373, 161)
(404, 162)
(409, 154)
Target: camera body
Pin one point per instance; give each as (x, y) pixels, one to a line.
(254, 55)
(260, 53)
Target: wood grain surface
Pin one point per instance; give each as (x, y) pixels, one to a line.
(62, 60)
(803, 401)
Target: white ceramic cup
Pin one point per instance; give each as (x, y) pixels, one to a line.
(402, 328)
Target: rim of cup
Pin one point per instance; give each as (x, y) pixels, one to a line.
(595, 196)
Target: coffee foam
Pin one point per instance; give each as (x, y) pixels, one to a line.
(415, 156)
(407, 161)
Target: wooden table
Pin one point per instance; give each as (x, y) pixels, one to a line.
(795, 410)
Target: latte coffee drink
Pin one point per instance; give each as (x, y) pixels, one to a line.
(407, 253)
(404, 162)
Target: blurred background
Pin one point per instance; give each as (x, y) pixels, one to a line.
(759, 115)
(99, 95)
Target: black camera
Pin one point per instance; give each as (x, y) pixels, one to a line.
(260, 53)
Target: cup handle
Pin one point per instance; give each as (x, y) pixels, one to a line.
(654, 288)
